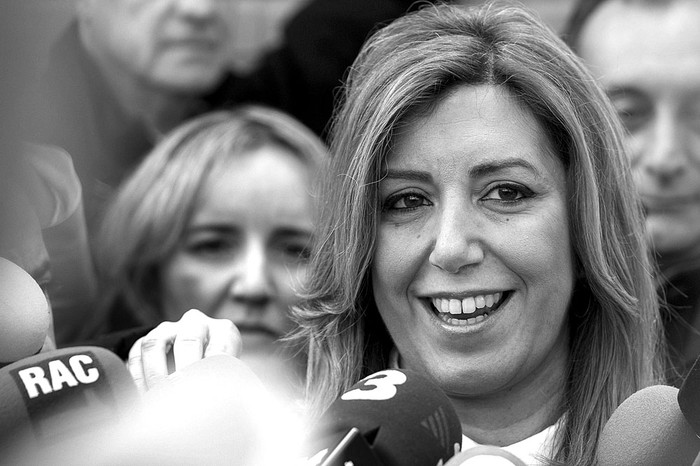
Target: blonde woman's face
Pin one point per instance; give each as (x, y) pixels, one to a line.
(245, 252)
(473, 268)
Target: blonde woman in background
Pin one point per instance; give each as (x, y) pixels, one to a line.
(219, 217)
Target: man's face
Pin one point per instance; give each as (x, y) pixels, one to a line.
(175, 45)
(648, 60)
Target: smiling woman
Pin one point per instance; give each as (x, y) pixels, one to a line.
(479, 225)
(491, 227)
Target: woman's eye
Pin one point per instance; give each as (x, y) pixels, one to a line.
(299, 252)
(209, 247)
(508, 194)
(407, 201)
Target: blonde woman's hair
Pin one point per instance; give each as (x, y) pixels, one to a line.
(400, 74)
(145, 222)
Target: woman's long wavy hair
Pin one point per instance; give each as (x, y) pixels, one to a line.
(404, 69)
(146, 221)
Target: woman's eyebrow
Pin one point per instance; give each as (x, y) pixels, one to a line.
(476, 171)
(499, 165)
(404, 174)
(292, 232)
(212, 227)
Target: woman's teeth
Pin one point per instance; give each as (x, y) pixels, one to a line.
(461, 308)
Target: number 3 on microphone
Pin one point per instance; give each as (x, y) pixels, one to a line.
(384, 383)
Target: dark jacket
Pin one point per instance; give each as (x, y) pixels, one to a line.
(682, 318)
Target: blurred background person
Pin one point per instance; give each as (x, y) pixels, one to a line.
(42, 228)
(646, 54)
(40, 191)
(220, 218)
(126, 71)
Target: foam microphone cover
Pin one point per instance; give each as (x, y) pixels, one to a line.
(689, 397)
(214, 412)
(485, 455)
(52, 396)
(24, 314)
(405, 418)
(648, 429)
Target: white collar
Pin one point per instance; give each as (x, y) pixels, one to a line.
(534, 450)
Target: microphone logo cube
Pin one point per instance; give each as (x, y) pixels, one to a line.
(64, 394)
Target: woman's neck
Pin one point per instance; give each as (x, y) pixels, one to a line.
(516, 413)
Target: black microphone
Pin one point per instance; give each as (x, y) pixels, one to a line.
(390, 418)
(648, 429)
(54, 396)
(24, 314)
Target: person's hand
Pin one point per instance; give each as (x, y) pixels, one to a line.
(193, 337)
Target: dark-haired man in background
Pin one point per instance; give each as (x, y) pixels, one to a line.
(646, 55)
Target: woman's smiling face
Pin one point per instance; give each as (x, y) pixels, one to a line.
(473, 270)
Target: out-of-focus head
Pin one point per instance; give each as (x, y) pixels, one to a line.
(646, 54)
(411, 96)
(220, 218)
(21, 221)
(177, 46)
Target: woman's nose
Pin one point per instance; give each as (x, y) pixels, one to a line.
(457, 243)
(198, 9)
(251, 281)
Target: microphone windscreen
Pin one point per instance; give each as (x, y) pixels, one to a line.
(648, 429)
(213, 412)
(53, 396)
(485, 455)
(689, 397)
(406, 418)
(24, 314)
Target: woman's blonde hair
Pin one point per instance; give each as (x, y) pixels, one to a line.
(401, 72)
(146, 221)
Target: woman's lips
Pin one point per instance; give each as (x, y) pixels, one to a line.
(470, 310)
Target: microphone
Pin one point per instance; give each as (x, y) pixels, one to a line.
(647, 429)
(63, 394)
(214, 412)
(485, 455)
(689, 397)
(24, 314)
(390, 418)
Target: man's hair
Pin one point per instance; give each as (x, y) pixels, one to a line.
(583, 9)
